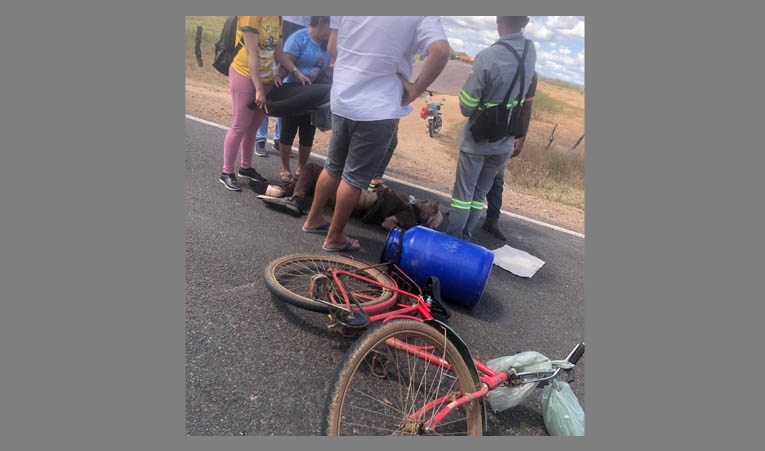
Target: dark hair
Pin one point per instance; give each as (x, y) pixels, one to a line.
(515, 21)
(316, 20)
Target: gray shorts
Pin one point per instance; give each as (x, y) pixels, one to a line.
(357, 147)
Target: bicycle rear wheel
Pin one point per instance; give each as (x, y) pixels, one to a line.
(382, 389)
(289, 278)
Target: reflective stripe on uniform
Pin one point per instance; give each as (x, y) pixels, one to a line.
(460, 204)
(467, 100)
(509, 105)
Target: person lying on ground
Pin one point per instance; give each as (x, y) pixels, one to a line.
(382, 206)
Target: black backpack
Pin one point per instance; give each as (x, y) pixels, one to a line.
(226, 49)
(497, 122)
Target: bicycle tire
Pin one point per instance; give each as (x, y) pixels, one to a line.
(289, 279)
(361, 403)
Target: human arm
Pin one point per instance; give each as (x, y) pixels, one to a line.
(438, 56)
(251, 47)
(472, 90)
(525, 116)
(332, 47)
(287, 62)
(278, 55)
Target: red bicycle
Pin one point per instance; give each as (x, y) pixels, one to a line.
(409, 373)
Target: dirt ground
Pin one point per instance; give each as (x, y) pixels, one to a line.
(418, 158)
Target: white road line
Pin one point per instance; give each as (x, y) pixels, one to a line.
(424, 188)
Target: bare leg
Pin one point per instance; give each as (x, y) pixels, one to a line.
(326, 187)
(303, 153)
(347, 196)
(284, 152)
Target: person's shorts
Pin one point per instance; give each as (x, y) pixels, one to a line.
(293, 125)
(357, 147)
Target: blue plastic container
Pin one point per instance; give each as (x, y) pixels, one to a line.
(463, 268)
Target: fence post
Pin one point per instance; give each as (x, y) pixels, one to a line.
(577, 142)
(198, 45)
(551, 136)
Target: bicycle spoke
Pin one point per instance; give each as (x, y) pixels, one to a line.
(376, 412)
(375, 400)
(366, 426)
(402, 381)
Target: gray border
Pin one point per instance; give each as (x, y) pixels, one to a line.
(93, 325)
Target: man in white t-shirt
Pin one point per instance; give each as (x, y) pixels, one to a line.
(371, 90)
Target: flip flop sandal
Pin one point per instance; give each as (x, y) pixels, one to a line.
(352, 245)
(287, 177)
(321, 230)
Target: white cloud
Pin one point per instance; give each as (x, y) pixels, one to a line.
(561, 22)
(456, 42)
(538, 32)
(576, 32)
(556, 56)
(559, 41)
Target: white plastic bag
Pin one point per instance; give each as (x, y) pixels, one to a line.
(502, 398)
(561, 410)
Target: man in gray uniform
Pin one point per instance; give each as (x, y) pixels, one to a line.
(486, 86)
(494, 196)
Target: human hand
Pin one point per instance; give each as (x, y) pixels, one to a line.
(302, 78)
(278, 82)
(517, 146)
(389, 223)
(410, 92)
(260, 98)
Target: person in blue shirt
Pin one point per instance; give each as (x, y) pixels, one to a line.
(304, 56)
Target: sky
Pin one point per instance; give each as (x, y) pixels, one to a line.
(559, 41)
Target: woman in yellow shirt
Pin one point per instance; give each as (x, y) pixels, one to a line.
(250, 76)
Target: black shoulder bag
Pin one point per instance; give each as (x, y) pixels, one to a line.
(497, 122)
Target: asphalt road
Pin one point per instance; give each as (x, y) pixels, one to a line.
(258, 366)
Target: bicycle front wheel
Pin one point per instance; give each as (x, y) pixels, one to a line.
(396, 378)
(289, 278)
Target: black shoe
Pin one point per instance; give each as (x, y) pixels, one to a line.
(260, 149)
(292, 205)
(493, 228)
(299, 204)
(229, 181)
(276, 145)
(252, 174)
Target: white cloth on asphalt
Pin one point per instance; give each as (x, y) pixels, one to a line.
(516, 261)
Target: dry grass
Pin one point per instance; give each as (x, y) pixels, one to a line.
(550, 174)
(211, 26)
(555, 173)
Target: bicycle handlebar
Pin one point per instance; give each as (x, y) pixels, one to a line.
(542, 376)
(576, 353)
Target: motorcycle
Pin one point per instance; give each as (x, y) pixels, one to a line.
(432, 112)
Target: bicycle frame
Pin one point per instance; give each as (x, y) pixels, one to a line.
(420, 307)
